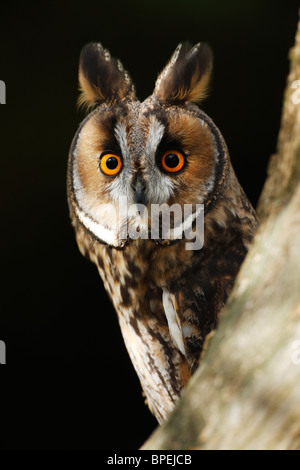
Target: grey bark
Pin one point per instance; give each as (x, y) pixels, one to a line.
(246, 392)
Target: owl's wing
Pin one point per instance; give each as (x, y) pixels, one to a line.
(170, 305)
(184, 322)
(193, 307)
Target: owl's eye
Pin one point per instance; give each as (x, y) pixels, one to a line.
(110, 164)
(172, 161)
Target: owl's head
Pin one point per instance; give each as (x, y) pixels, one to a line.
(129, 154)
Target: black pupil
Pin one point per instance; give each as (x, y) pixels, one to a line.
(172, 160)
(111, 163)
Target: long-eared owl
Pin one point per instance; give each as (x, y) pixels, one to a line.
(157, 207)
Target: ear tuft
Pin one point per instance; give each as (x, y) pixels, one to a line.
(186, 76)
(101, 77)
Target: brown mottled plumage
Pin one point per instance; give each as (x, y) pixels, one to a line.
(167, 297)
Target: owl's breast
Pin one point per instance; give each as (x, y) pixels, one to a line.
(134, 279)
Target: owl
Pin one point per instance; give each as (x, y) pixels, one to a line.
(156, 205)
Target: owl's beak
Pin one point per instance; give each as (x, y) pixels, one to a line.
(139, 195)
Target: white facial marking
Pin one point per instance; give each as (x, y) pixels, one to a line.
(121, 136)
(119, 186)
(160, 187)
(102, 232)
(156, 132)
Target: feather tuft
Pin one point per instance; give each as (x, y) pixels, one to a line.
(102, 78)
(186, 77)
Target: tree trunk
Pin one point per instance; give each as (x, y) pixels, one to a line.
(246, 392)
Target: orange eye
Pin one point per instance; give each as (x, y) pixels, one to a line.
(172, 161)
(110, 164)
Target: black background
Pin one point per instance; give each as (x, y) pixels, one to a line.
(69, 383)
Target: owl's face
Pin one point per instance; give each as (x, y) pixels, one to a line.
(128, 154)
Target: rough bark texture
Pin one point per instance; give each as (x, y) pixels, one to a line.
(246, 393)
